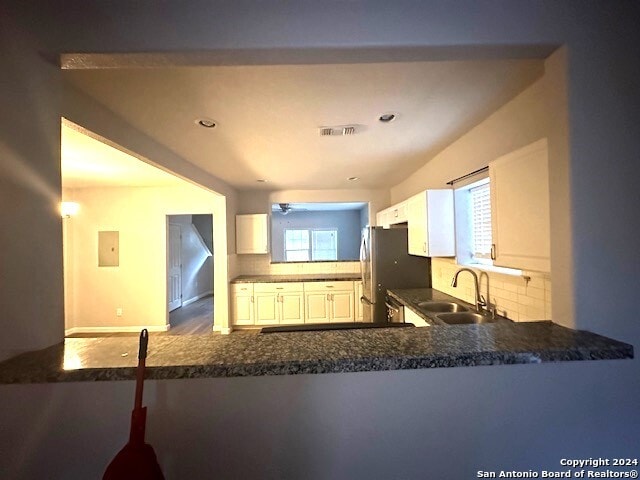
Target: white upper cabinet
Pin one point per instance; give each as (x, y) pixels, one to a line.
(252, 233)
(392, 215)
(520, 208)
(430, 219)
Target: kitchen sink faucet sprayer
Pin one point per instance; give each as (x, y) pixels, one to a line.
(481, 303)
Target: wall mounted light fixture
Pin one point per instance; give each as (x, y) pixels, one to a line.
(69, 209)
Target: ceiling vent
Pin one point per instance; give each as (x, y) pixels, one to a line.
(337, 130)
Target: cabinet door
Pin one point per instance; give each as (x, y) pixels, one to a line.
(431, 226)
(266, 308)
(358, 304)
(440, 241)
(520, 208)
(291, 307)
(417, 221)
(242, 306)
(317, 307)
(252, 233)
(399, 213)
(383, 218)
(243, 309)
(342, 306)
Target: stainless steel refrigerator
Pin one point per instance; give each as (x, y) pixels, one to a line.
(385, 263)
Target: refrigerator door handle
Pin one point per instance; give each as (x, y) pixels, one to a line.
(363, 246)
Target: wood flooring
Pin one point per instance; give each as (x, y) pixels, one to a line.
(194, 319)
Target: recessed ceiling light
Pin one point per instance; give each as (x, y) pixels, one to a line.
(388, 117)
(206, 122)
(353, 179)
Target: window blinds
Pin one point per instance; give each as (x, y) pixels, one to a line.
(481, 221)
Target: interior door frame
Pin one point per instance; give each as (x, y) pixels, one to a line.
(169, 266)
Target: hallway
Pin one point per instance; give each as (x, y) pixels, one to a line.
(193, 319)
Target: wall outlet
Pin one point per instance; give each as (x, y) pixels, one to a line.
(118, 312)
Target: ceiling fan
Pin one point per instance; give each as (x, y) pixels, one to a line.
(284, 208)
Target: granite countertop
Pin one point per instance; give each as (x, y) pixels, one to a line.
(251, 353)
(307, 277)
(410, 298)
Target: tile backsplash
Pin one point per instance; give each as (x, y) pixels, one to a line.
(515, 297)
(261, 265)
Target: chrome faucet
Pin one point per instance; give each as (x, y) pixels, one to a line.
(481, 303)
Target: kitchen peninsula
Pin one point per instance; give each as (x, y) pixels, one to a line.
(254, 354)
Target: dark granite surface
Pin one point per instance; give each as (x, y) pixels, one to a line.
(250, 353)
(410, 297)
(307, 277)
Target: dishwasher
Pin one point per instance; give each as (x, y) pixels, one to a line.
(395, 310)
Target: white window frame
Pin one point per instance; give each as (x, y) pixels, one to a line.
(307, 250)
(463, 199)
(465, 254)
(310, 244)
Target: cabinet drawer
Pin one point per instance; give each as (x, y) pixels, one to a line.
(327, 286)
(246, 288)
(278, 287)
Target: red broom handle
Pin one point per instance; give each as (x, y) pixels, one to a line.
(142, 357)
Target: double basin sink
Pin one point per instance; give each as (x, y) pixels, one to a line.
(454, 313)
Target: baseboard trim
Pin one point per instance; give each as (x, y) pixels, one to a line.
(197, 297)
(122, 329)
(223, 331)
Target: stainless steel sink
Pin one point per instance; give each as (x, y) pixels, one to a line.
(464, 318)
(442, 307)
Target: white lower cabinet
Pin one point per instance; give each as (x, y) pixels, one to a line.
(278, 303)
(294, 303)
(292, 308)
(329, 302)
(242, 311)
(317, 305)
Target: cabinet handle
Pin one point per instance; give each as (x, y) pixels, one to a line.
(329, 286)
(424, 247)
(251, 298)
(493, 251)
(328, 297)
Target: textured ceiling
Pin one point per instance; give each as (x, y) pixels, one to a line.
(268, 116)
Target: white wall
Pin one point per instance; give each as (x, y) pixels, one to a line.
(427, 423)
(138, 284)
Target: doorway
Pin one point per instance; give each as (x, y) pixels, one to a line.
(190, 274)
